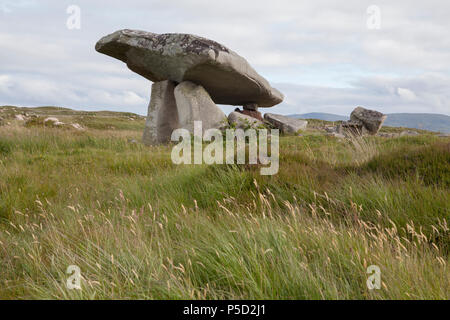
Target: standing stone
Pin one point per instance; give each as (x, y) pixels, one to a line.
(162, 117)
(251, 106)
(195, 104)
(371, 120)
(286, 124)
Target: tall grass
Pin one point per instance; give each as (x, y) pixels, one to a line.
(140, 227)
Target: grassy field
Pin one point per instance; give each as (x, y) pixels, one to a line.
(141, 227)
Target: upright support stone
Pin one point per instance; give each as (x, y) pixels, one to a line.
(251, 109)
(162, 117)
(251, 106)
(195, 104)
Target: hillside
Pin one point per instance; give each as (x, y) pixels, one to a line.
(139, 226)
(424, 121)
(320, 116)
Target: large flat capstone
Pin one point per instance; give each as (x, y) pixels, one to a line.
(226, 76)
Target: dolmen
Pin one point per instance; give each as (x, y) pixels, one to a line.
(190, 76)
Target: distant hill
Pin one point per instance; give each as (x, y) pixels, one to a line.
(424, 121)
(320, 116)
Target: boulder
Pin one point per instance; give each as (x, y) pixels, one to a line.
(162, 116)
(195, 104)
(242, 121)
(226, 76)
(285, 124)
(52, 121)
(371, 120)
(351, 128)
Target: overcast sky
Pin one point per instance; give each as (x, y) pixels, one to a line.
(325, 56)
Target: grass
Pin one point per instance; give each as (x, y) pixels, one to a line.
(141, 227)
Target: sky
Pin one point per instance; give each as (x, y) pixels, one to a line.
(323, 55)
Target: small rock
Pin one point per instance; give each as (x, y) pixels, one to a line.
(444, 135)
(387, 135)
(19, 117)
(409, 133)
(77, 126)
(331, 129)
(336, 135)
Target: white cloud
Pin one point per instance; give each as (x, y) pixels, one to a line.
(406, 94)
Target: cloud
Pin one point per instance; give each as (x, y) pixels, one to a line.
(8, 6)
(424, 93)
(406, 94)
(320, 54)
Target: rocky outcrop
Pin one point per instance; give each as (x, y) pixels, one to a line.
(242, 121)
(286, 125)
(194, 104)
(371, 120)
(225, 75)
